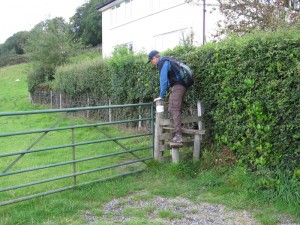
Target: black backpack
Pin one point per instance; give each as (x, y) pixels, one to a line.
(185, 71)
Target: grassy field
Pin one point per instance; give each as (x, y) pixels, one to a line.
(200, 182)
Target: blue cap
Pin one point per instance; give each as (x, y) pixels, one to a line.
(152, 54)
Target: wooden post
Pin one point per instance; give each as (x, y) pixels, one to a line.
(197, 137)
(109, 111)
(140, 116)
(158, 129)
(196, 153)
(175, 155)
(200, 112)
(60, 101)
(30, 98)
(51, 96)
(88, 104)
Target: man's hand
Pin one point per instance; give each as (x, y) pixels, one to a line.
(157, 99)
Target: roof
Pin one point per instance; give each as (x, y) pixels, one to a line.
(106, 5)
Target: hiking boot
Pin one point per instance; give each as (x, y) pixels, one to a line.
(177, 138)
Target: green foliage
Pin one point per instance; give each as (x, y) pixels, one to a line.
(13, 49)
(277, 184)
(12, 59)
(132, 80)
(244, 16)
(86, 23)
(270, 192)
(86, 77)
(49, 46)
(184, 169)
(15, 44)
(38, 78)
(122, 78)
(253, 84)
(85, 55)
(249, 88)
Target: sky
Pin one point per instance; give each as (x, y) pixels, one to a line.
(23, 15)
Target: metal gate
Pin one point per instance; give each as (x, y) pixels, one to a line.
(47, 151)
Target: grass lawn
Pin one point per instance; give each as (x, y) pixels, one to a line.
(231, 186)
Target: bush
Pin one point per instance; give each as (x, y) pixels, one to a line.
(132, 80)
(37, 79)
(87, 77)
(249, 87)
(49, 46)
(12, 59)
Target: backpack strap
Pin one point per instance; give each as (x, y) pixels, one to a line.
(174, 72)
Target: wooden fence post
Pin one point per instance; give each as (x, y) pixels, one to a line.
(140, 116)
(175, 155)
(158, 130)
(60, 100)
(88, 104)
(196, 153)
(109, 111)
(197, 137)
(51, 102)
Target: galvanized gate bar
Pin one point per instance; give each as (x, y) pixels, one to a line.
(33, 144)
(71, 145)
(71, 109)
(116, 141)
(74, 173)
(70, 127)
(66, 188)
(72, 161)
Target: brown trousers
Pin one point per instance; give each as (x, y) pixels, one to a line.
(176, 105)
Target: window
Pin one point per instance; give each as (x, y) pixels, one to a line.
(128, 45)
(295, 4)
(155, 5)
(115, 15)
(128, 9)
(169, 40)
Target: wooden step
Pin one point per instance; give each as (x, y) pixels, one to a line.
(186, 131)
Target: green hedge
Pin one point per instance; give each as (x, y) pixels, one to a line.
(249, 87)
(12, 59)
(89, 76)
(132, 80)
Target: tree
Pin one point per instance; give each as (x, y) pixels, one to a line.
(243, 16)
(86, 24)
(49, 46)
(15, 44)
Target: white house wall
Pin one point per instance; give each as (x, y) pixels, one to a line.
(154, 24)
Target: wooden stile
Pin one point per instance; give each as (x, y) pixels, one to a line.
(164, 132)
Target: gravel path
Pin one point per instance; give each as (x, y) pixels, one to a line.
(142, 208)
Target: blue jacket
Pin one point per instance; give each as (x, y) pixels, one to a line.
(168, 76)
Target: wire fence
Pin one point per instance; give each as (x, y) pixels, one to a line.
(57, 100)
